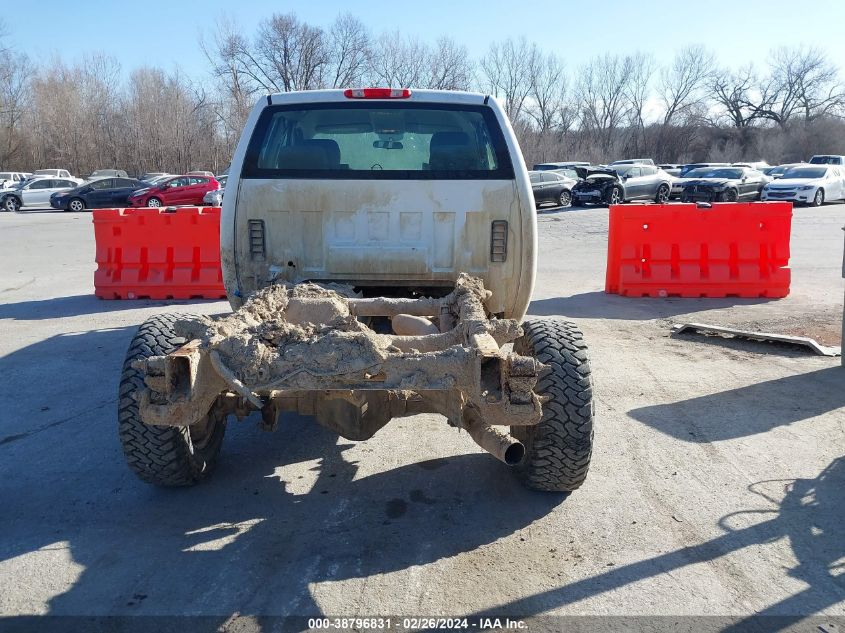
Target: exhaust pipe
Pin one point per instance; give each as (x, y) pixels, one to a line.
(499, 444)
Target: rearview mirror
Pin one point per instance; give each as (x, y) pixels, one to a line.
(387, 145)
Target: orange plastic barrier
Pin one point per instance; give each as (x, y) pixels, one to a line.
(727, 250)
(155, 254)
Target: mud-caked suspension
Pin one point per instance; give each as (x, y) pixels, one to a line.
(308, 348)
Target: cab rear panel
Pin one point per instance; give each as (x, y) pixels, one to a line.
(353, 221)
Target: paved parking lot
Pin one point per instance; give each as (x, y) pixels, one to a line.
(717, 484)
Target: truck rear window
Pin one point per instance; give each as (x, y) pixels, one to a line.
(378, 141)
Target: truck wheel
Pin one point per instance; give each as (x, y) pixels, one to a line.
(163, 455)
(558, 449)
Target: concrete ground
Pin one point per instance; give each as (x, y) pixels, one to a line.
(716, 489)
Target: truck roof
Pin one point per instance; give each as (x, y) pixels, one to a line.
(339, 96)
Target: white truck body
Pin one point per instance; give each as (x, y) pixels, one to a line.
(384, 232)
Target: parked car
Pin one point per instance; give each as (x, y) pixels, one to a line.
(690, 166)
(808, 184)
(34, 192)
(613, 185)
(827, 159)
(108, 173)
(759, 165)
(215, 198)
(598, 185)
(671, 168)
(557, 166)
(566, 172)
(157, 179)
(633, 161)
(188, 190)
(151, 175)
(57, 173)
(723, 184)
(10, 178)
(99, 193)
(778, 170)
(551, 187)
(210, 174)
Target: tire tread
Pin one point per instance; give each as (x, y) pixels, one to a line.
(559, 448)
(160, 455)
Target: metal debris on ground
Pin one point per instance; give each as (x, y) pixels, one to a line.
(800, 341)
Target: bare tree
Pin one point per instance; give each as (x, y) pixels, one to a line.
(637, 93)
(350, 54)
(802, 81)
(237, 86)
(400, 61)
(682, 88)
(293, 55)
(732, 92)
(547, 92)
(604, 84)
(450, 66)
(16, 73)
(507, 69)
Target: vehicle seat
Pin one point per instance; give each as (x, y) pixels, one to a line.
(452, 151)
(330, 147)
(318, 153)
(302, 156)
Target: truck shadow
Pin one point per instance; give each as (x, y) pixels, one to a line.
(285, 513)
(600, 305)
(58, 307)
(810, 516)
(750, 410)
(244, 543)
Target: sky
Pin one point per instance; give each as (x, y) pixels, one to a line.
(167, 33)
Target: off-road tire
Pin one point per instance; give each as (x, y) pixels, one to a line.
(161, 455)
(558, 449)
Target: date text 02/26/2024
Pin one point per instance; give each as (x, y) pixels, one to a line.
(359, 623)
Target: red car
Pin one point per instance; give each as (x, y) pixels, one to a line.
(188, 190)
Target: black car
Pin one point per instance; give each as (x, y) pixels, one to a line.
(723, 184)
(685, 169)
(102, 193)
(551, 187)
(598, 185)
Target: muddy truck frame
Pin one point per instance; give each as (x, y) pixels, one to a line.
(379, 251)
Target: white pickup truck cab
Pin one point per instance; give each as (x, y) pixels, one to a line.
(379, 249)
(398, 191)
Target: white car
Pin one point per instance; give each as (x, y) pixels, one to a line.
(35, 192)
(808, 184)
(215, 197)
(57, 173)
(827, 159)
(10, 178)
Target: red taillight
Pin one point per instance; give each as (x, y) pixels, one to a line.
(377, 93)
